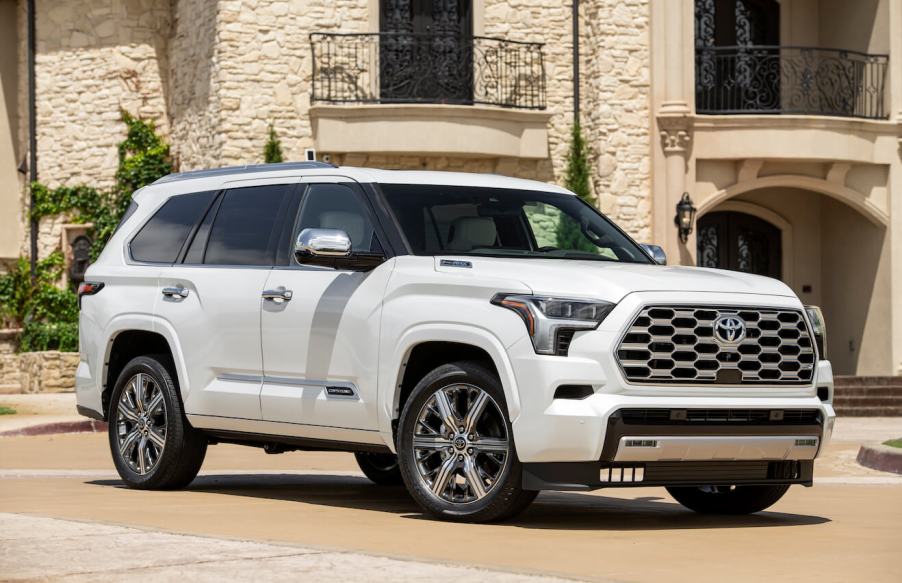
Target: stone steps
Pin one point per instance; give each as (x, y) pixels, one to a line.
(868, 396)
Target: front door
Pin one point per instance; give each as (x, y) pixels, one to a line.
(321, 342)
(740, 242)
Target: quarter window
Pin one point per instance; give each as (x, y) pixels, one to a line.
(246, 227)
(162, 237)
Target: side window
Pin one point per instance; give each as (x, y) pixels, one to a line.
(245, 229)
(335, 206)
(162, 237)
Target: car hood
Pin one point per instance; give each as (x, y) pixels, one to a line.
(612, 281)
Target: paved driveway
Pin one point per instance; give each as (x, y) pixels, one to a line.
(848, 527)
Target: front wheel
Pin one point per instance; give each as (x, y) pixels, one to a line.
(456, 449)
(153, 446)
(728, 499)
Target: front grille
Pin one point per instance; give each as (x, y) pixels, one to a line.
(677, 344)
(732, 417)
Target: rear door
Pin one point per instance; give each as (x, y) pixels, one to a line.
(321, 348)
(211, 299)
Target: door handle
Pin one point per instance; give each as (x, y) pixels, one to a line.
(278, 295)
(175, 292)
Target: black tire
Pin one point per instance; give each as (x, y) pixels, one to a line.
(505, 498)
(184, 447)
(380, 468)
(727, 499)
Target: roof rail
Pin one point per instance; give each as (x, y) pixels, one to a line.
(243, 170)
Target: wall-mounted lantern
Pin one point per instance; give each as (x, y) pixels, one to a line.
(685, 217)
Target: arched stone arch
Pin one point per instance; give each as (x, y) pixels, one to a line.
(844, 194)
(772, 217)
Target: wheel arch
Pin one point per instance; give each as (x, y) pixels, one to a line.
(423, 348)
(129, 337)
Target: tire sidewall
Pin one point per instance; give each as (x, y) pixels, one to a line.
(174, 423)
(443, 376)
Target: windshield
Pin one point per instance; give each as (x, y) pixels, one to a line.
(500, 222)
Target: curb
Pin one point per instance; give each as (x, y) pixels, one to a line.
(881, 457)
(87, 426)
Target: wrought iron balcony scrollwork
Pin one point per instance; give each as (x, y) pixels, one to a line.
(427, 68)
(790, 80)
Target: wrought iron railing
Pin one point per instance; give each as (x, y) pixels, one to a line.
(427, 68)
(790, 80)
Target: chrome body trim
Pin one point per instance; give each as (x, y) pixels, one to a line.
(646, 448)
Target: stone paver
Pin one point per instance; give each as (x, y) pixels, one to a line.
(62, 550)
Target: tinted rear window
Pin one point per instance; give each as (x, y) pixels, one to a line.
(245, 229)
(162, 237)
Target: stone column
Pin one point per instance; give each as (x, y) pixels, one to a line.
(895, 181)
(673, 42)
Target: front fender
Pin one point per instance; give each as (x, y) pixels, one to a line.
(391, 375)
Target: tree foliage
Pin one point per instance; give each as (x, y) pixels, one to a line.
(272, 151)
(576, 178)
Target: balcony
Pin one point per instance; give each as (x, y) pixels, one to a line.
(775, 80)
(427, 68)
(428, 94)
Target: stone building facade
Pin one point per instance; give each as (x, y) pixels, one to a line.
(214, 74)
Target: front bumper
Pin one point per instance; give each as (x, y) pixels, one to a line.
(760, 425)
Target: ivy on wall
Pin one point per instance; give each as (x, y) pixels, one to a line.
(48, 314)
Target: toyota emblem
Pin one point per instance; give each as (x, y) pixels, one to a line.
(729, 329)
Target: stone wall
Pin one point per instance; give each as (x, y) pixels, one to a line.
(617, 116)
(38, 372)
(94, 58)
(214, 74)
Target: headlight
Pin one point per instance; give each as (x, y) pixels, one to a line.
(551, 322)
(819, 327)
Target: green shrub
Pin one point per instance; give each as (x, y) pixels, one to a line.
(576, 178)
(272, 151)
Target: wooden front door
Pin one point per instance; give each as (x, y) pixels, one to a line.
(740, 242)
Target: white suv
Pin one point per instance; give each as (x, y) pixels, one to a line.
(477, 338)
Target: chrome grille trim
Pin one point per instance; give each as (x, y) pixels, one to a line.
(673, 344)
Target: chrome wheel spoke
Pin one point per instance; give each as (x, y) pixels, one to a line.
(156, 438)
(443, 476)
(125, 410)
(126, 445)
(435, 442)
(477, 407)
(474, 480)
(142, 455)
(139, 392)
(155, 402)
(446, 410)
(491, 444)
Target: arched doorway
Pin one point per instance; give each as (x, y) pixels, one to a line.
(740, 242)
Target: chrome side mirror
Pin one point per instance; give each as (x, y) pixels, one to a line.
(656, 253)
(321, 243)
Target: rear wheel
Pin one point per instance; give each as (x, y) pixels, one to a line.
(380, 468)
(456, 449)
(153, 445)
(728, 499)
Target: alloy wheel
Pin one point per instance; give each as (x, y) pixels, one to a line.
(460, 444)
(141, 423)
